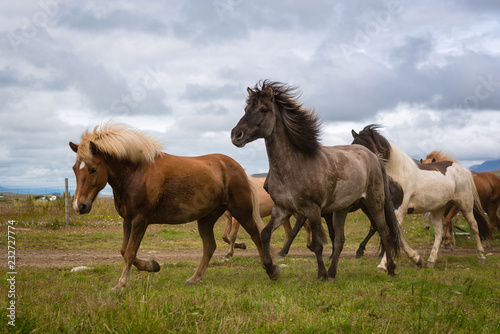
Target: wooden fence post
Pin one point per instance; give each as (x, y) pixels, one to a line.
(66, 202)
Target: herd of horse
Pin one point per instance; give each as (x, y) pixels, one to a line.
(305, 179)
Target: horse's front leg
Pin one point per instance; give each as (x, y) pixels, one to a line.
(410, 252)
(278, 217)
(313, 214)
(299, 222)
(132, 237)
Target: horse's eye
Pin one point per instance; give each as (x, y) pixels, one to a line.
(264, 110)
(93, 171)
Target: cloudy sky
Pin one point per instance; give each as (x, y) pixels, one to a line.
(428, 71)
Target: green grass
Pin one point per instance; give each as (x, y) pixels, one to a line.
(458, 296)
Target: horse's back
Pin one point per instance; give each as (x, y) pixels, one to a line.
(192, 187)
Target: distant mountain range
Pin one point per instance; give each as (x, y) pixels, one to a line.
(38, 191)
(487, 166)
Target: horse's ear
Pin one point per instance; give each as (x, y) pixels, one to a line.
(434, 160)
(250, 91)
(93, 149)
(270, 93)
(353, 133)
(421, 161)
(73, 146)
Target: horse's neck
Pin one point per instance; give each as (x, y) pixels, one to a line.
(400, 166)
(282, 154)
(120, 175)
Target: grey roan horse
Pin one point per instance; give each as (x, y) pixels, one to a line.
(311, 179)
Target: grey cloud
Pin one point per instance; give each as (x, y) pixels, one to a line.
(101, 19)
(197, 93)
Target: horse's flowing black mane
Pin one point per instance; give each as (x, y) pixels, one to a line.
(370, 138)
(302, 124)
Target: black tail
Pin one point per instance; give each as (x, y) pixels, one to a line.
(482, 223)
(390, 216)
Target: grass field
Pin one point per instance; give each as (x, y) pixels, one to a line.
(458, 296)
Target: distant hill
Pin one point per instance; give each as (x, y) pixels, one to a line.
(260, 175)
(487, 166)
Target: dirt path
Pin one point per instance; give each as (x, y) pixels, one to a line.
(70, 258)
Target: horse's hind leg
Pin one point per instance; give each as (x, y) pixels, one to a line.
(494, 217)
(437, 222)
(339, 238)
(234, 234)
(448, 237)
(227, 226)
(132, 237)
(469, 216)
(206, 230)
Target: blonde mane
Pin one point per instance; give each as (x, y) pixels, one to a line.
(439, 155)
(120, 142)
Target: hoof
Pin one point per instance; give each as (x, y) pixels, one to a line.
(391, 269)
(190, 282)
(481, 260)
(430, 264)
(118, 289)
(280, 255)
(420, 262)
(359, 255)
(240, 246)
(274, 273)
(382, 268)
(229, 255)
(156, 266)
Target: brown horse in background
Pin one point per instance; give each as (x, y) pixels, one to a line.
(266, 206)
(488, 189)
(151, 187)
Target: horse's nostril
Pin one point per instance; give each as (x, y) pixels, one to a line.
(239, 135)
(82, 208)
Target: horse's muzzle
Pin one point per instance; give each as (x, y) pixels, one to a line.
(237, 137)
(83, 207)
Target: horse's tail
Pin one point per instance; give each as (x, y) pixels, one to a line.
(478, 211)
(254, 191)
(390, 215)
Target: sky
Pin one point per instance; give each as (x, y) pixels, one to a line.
(427, 71)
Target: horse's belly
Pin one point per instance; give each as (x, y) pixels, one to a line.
(430, 200)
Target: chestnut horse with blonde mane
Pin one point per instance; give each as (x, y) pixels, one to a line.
(488, 189)
(152, 187)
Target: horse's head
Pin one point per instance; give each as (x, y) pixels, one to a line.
(427, 160)
(91, 177)
(370, 138)
(259, 119)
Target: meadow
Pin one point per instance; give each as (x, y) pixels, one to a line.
(459, 295)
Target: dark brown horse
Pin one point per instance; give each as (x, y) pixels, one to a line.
(151, 187)
(310, 179)
(488, 189)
